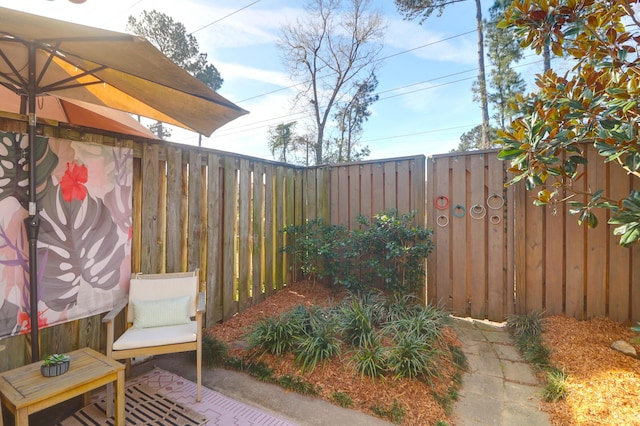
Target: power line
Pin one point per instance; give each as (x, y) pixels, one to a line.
(225, 17)
(253, 126)
(377, 60)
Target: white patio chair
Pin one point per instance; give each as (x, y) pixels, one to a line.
(164, 315)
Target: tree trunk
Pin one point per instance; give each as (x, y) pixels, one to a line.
(482, 81)
(318, 147)
(546, 56)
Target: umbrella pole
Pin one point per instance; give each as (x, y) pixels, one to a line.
(32, 222)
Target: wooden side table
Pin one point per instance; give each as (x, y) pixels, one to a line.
(25, 390)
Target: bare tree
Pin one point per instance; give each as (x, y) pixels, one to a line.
(326, 51)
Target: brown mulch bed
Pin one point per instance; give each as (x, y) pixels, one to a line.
(603, 385)
(416, 397)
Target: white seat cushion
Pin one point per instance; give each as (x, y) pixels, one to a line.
(156, 336)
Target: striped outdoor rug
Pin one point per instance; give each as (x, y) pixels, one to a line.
(218, 409)
(143, 406)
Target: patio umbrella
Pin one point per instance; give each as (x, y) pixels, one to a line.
(40, 55)
(77, 113)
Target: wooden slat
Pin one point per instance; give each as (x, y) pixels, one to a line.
(365, 191)
(311, 194)
(150, 253)
(299, 212)
(635, 273)
(162, 217)
(496, 256)
(289, 219)
(442, 236)
(432, 265)
(520, 247)
(244, 225)
(510, 285)
(174, 208)
(377, 185)
(279, 225)
(596, 246)
(390, 185)
(354, 187)
(341, 187)
(60, 338)
(619, 257)
(418, 189)
(194, 218)
(404, 186)
(270, 233)
(258, 213)
(136, 216)
(554, 258)
(534, 257)
(458, 244)
(89, 333)
(575, 279)
(229, 305)
(215, 203)
(477, 244)
(15, 353)
(323, 185)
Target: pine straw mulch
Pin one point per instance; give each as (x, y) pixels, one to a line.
(603, 385)
(416, 398)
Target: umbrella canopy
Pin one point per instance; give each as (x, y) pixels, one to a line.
(40, 55)
(77, 113)
(108, 68)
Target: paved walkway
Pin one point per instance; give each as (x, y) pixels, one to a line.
(499, 387)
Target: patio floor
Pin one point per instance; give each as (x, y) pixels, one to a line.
(229, 397)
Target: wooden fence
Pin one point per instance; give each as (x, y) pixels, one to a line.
(222, 212)
(497, 259)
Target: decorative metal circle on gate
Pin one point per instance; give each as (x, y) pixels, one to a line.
(495, 206)
(442, 221)
(477, 211)
(441, 202)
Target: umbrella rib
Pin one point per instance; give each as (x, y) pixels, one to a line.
(21, 81)
(60, 85)
(49, 59)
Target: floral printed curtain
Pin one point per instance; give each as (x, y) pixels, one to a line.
(84, 244)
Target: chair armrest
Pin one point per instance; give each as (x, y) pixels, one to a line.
(113, 313)
(201, 302)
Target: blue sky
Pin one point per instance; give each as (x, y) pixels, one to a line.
(424, 85)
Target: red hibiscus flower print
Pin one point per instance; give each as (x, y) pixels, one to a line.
(73, 181)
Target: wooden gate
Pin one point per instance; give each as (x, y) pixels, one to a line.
(497, 253)
(469, 210)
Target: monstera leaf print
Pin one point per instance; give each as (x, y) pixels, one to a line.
(118, 200)
(78, 242)
(14, 167)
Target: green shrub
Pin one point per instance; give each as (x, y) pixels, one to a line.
(413, 356)
(531, 324)
(319, 249)
(317, 345)
(214, 351)
(425, 323)
(392, 251)
(371, 359)
(299, 385)
(395, 413)
(397, 307)
(273, 335)
(355, 322)
(342, 399)
(389, 251)
(636, 340)
(556, 386)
